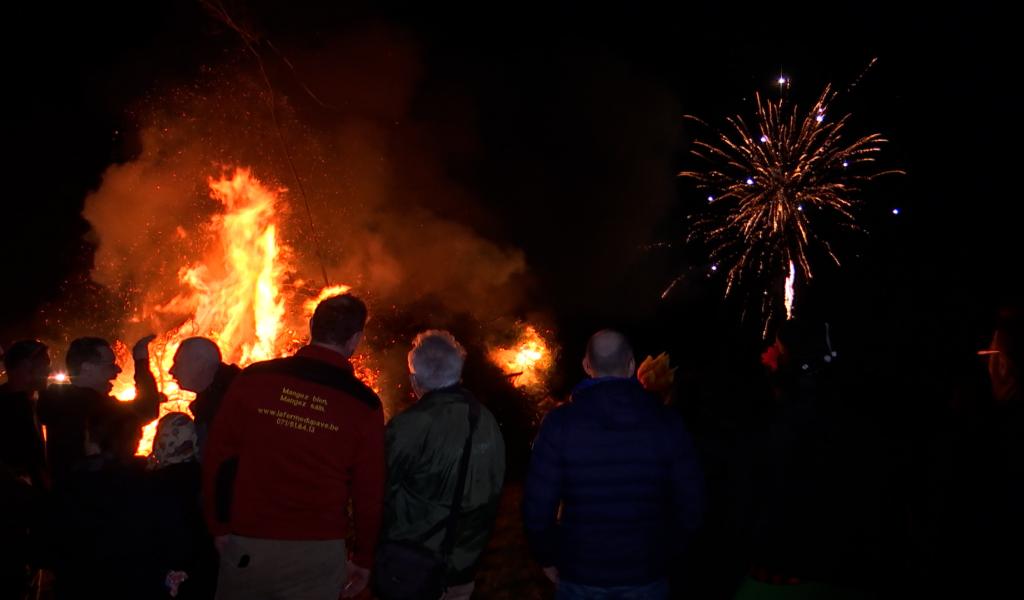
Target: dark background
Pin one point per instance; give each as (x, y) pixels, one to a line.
(578, 113)
(579, 116)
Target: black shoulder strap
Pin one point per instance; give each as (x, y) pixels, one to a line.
(448, 523)
(449, 537)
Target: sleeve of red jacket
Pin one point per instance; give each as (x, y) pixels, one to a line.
(222, 448)
(368, 476)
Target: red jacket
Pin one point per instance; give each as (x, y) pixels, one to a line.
(294, 440)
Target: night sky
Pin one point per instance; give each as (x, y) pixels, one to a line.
(575, 116)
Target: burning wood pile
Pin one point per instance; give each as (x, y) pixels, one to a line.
(245, 294)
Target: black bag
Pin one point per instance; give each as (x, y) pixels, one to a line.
(407, 570)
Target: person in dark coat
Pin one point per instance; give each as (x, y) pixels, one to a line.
(23, 478)
(27, 364)
(174, 476)
(198, 368)
(114, 533)
(813, 476)
(425, 444)
(623, 469)
(66, 410)
(982, 522)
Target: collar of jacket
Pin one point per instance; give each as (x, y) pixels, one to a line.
(452, 393)
(223, 377)
(78, 391)
(588, 383)
(326, 355)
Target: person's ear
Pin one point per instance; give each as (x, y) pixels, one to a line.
(353, 342)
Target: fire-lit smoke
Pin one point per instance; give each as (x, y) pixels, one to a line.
(390, 218)
(238, 258)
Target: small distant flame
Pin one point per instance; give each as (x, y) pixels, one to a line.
(328, 292)
(527, 362)
(790, 293)
(59, 377)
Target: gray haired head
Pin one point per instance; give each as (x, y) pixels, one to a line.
(435, 361)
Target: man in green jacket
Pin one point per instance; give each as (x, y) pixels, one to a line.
(424, 444)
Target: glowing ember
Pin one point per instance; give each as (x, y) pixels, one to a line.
(236, 296)
(527, 362)
(790, 292)
(366, 373)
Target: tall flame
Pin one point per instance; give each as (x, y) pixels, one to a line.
(527, 361)
(236, 295)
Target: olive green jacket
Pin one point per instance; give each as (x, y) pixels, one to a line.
(424, 445)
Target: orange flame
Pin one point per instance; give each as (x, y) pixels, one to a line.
(235, 296)
(527, 362)
(335, 290)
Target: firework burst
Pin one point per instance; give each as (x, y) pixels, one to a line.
(769, 184)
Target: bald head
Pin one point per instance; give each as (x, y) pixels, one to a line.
(609, 355)
(195, 364)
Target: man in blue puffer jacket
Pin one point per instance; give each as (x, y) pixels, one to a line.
(623, 469)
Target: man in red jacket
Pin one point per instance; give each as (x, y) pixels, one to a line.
(294, 441)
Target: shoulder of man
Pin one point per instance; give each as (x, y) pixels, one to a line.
(318, 372)
(410, 419)
(423, 413)
(226, 374)
(556, 421)
(487, 417)
(56, 392)
(70, 397)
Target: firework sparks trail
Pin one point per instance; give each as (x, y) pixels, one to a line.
(790, 293)
(769, 183)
